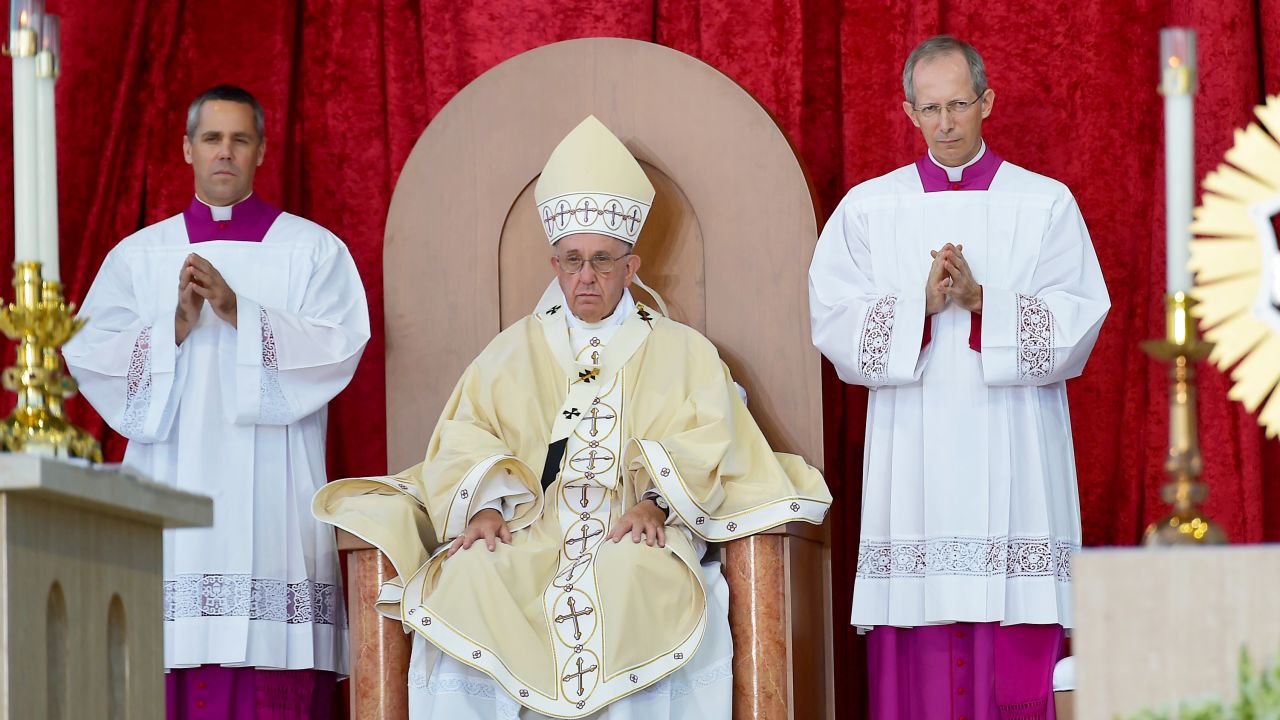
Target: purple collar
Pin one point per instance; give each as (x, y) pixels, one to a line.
(977, 176)
(251, 218)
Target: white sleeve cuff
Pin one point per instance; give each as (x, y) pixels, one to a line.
(500, 490)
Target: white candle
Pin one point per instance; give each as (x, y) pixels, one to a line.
(47, 148)
(1178, 85)
(22, 41)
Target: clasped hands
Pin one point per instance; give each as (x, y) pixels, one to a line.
(644, 521)
(951, 279)
(199, 281)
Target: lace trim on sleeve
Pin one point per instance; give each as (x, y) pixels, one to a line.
(877, 335)
(1035, 338)
(137, 394)
(273, 407)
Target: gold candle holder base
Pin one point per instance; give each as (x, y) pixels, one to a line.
(41, 321)
(1182, 348)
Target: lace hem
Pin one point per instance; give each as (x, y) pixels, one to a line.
(483, 688)
(189, 596)
(1035, 338)
(674, 685)
(273, 407)
(677, 685)
(137, 393)
(1017, 557)
(877, 338)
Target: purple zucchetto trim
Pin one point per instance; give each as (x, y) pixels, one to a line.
(977, 176)
(251, 218)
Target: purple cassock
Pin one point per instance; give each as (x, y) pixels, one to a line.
(963, 671)
(213, 692)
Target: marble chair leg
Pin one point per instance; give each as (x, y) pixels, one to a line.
(779, 615)
(379, 647)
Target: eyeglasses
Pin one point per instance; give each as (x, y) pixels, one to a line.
(955, 107)
(601, 264)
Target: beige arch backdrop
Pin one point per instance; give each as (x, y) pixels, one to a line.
(728, 245)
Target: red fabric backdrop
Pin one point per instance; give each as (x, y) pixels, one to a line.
(348, 86)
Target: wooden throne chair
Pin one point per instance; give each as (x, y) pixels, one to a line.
(727, 244)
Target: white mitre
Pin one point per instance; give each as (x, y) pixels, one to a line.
(591, 184)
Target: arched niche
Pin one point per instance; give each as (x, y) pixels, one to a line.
(729, 244)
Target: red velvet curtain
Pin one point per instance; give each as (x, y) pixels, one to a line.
(348, 87)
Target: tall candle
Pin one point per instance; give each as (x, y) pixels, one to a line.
(1178, 85)
(47, 148)
(24, 18)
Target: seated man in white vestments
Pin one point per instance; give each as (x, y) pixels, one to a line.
(215, 340)
(583, 462)
(964, 291)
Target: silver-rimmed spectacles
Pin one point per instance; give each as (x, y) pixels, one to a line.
(955, 107)
(601, 264)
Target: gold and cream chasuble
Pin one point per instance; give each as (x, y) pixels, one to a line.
(563, 619)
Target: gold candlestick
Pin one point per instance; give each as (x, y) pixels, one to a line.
(41, 321)
(1182, 348)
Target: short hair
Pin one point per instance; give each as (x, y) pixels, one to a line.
(939, 45)
(228, 93)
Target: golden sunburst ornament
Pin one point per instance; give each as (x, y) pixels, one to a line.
(1237, 265)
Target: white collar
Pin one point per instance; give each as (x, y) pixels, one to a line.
(624, 308)
(956, 174)
(222, 213)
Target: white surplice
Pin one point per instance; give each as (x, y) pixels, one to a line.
(239, 414)
(969, 510)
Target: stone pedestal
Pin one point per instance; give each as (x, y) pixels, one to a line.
(81, 629)
(1157, 626)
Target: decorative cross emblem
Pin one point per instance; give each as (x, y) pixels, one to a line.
(595, 418)
(587, 376)
(554, 309)
(567, 573)
(571, 413)
(591, 460)
(584, 488)
(643, 312)
(586, 536)
(573, 616)
(578, 676)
